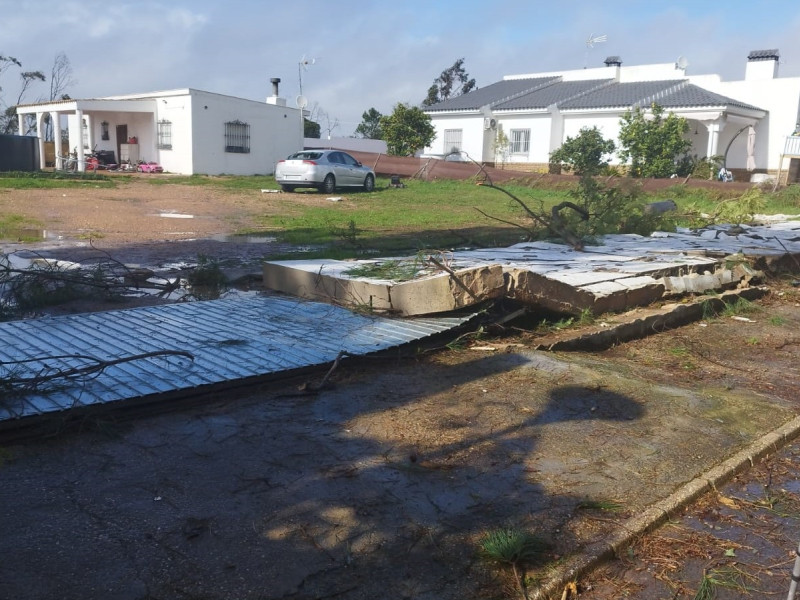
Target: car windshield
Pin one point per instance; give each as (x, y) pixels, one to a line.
(305, 156)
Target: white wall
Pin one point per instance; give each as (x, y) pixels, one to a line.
(539, 126)
(781, 97)
(472, 135)
(274, 134)
(178, 111)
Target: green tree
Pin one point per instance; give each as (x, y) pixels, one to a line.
(652, 143)
(8, 118)
(407, 130)
(454, 81)
(311, 129)
(370, 126)
(585, 154)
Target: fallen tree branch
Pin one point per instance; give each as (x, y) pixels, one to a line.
(455, 277)
(47, 373)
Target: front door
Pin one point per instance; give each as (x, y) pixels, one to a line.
(122, 138)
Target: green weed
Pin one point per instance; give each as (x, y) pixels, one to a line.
(606, 505)
(730, 577)
(393, 270)
(514, 548)
(741, 306)
(207, 280)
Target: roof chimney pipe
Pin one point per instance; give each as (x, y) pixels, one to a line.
(275, 99)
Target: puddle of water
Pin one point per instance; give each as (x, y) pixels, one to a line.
(245, 238)
(169, 215)
(25, 234)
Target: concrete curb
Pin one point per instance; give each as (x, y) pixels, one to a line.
(595, 555)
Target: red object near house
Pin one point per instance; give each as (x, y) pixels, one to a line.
(150, 167)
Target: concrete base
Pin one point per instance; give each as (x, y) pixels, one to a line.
(624, 272)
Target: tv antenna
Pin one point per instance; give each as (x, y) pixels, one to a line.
(590, 42)
(681, 63)
(303, 66)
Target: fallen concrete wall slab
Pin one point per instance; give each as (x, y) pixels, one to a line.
(621, 272)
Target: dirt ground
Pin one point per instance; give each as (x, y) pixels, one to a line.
(383, 485)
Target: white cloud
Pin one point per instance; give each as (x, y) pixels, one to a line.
(373, 54)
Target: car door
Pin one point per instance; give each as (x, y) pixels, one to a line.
(340, 170)
(353, 170)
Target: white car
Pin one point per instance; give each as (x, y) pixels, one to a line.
(325, 170)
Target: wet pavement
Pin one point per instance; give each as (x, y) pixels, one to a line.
(383, 485)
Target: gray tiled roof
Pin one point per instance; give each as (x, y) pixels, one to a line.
(692, 96)
(491, 94)
(620, 95)
(556, 93)
(771, 54)
(539, 93)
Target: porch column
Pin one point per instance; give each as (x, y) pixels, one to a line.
(55, 118)
(89, 131)
(81, 155)
(714, 129)
(40, 135)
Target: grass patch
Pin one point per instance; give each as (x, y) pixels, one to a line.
(20, 229)
(53, 179)
(393, 270)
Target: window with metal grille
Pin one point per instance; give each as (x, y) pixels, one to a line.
(165, 135)
(520, 141)
(452, 140)
(237, 137)
(85, 133)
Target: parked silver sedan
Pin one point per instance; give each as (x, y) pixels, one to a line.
(325, 170)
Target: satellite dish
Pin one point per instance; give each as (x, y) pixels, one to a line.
(682, 63)
(301, 101)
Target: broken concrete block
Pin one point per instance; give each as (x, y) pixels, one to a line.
(441, 293)
(324, 281)
(329, 281)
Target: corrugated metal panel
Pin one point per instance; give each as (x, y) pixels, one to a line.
(230, 339)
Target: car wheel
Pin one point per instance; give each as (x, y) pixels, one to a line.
(369, 183)
(329, 184)
(287, 188)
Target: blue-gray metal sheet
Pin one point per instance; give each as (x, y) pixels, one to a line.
(230, 339)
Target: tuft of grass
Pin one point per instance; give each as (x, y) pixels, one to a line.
(393, 270)
(742, 306)
(512, 547)
(729, 577)
(777, 321)
(606, 505)
(207, 280)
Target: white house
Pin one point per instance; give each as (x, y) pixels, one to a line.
(746, 121)
(186, 131)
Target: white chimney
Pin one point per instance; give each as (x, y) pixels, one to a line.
(762, 64)
(275, 99)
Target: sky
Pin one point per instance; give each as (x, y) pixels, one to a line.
(371, 54)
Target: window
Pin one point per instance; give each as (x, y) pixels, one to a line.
(85, 133)
(237, 137)
(452, 140)
(520, 141)
(165, 135)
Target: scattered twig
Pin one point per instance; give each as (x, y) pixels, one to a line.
(455, 277)
(93, 369)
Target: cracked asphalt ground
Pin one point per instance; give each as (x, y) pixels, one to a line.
(382, 486)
